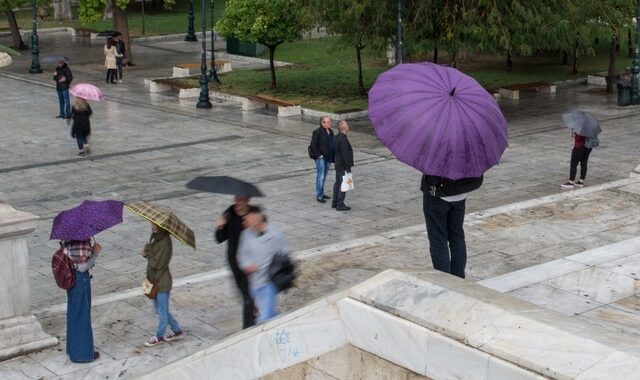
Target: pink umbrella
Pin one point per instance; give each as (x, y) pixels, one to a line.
(86, 91)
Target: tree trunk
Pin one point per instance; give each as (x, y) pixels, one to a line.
(612, 67)
(18, 44)
(121, 24)
(435, 55)
(629, 44)
(453, 60)
(575, 61)
(62, 9)
(272, 51)
(509, 65)
(108, 11)
(565, 57)
(363, 92)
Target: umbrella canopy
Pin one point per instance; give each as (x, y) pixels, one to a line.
(224, 185)
(582, 123)
(165, 219)
(109, 33)
(86, 91)
(54, 59)
(86, 220)
(437, 120)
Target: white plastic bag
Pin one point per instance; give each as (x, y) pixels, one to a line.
(347, 182)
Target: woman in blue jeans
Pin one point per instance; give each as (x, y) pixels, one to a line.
(158, 253)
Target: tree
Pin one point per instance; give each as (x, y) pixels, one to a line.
(62, 9)
(7, 6)
(269, 22)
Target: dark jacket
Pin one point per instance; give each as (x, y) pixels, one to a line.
(158, 253)
(231, 232)
(343, 153)
(63, 71)
(444, 187)
(81, 123)
(120, 49)
(320, 144)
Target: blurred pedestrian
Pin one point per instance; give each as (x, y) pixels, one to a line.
(158, 253)
(81, 128)
(63, 78)
(579, 155)
(229, 227)
(80, 346)
(259, 243)
(110, 54)
(321, 150)
(120, 56)
(344, 163)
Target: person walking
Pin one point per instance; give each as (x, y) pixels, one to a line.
(444, 202)
(63, 78)
(121, 53)
(344, 162)
(81, 128)
(579, 155)
(158, 253)
(259, 243)
(80, 346)
(110, 54)
(228, 228)
(321, 150)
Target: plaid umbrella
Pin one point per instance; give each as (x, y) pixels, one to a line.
(165, 219)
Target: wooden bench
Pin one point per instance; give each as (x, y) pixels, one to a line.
(189, 69)
(513, 91)
(254, 102)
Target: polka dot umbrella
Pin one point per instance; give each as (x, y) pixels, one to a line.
(86, 220)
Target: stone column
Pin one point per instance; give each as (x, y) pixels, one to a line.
(20, 331)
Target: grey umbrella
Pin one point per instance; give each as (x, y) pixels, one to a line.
(224, 185)
(582, 123)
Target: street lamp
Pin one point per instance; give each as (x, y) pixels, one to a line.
(191, 33)
(35, 50)
(203, 100)
(635, 67)
(213, 74)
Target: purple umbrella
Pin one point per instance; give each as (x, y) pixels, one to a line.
(86, 220)
(437, 120)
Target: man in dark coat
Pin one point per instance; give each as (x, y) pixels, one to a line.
(122, 51)
(63, 78)
(321, 150)
(344, 161)
(229, 228)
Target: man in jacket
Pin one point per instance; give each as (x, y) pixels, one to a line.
(344, 161)
(121, 52)
(63, 78)
(321, 150)
(229, 228)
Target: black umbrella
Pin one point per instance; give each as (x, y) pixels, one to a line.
(224, 185)
(53, 59)
(109, 33)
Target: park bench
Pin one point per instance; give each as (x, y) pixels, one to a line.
(189, 69)
(254, 102)
(513, 91)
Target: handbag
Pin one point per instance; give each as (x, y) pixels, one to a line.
(282, 271)
(347, 182)
(150, 290)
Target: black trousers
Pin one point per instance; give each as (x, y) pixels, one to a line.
(248, 317)
(338, 196)
(119, 64)
(581, 156)
(112, 76)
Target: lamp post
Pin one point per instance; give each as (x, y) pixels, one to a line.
(191, 33)
(635, 67)
(35, 50)
(213, 74)
(203, 100)
(399, 42)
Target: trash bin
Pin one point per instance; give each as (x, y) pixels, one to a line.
(624, 93)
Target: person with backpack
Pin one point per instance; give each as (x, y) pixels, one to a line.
(260, 242)
(321, 151)
(83, 255)
(443, 205)
(582, 147)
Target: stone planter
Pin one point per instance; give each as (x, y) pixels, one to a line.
(189, 69)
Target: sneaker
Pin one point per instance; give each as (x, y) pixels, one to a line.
(81, 153)
(120, 81)
(326, 197)
(568, 185)
(579, 184)
(175, 336)
(154, 341)
(321, 200)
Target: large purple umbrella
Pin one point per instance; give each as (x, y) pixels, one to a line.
(86, 220)
(437, 120)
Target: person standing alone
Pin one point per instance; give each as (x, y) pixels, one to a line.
(321, 150)
(344, 161)
(579, 155)
(63, 78)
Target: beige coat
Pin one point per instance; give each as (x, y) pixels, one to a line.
(110, 57)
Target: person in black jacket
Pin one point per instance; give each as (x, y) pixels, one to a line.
(63, 78)
(344, 161)
(321, 150)
(229, 228)
(121, 52)
(81, 129)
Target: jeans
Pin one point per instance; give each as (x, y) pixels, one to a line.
(579, 155)
(161, 304)
(445, 231)
(338, 196)
(266, 299)
(119, 63)
(322, 168)
(65, 104)
(79, 332)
